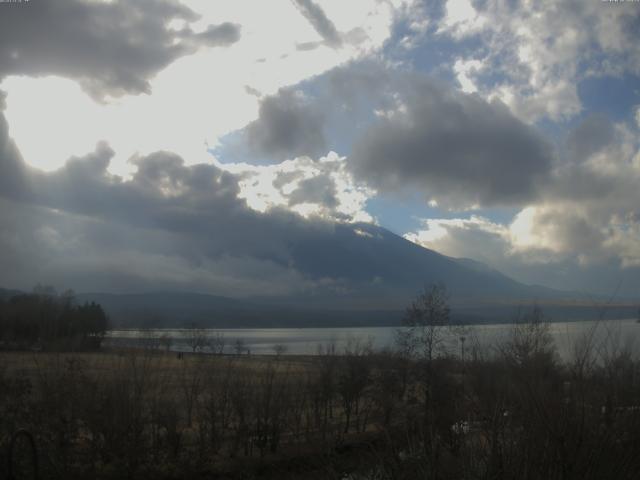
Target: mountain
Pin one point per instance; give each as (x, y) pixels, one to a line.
(371, 267)
(366, 275)
(362, 275)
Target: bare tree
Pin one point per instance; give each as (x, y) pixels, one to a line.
(217, 343)
(425, 323)
(149, 340)
(197, 338)
(239, 346)
(323, 387)
(279, 349)
(354, 377)
(530, 339)
(166, 341)
(191, 379)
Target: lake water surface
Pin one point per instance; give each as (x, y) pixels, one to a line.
(610, 334)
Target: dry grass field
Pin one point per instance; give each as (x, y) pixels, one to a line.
(144, 412)
(515, 412)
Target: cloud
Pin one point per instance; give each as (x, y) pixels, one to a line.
(287, 127)
(583, 230)
(404, 132)
(296, 122)
(593, 134)
(577, 223)
(559, 230)
(474, 237)
(591, 212)
(536, 53)
(110, 48)
(461, 18)
(13, 181)
(169, 226)
(60, 248)
(320, 22)
(205, 92)
(322, 188)
(457, 149)
(495, 244)
(215, 35)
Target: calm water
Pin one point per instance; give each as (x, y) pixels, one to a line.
(606, 335)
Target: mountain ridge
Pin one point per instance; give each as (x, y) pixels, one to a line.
(365, 275)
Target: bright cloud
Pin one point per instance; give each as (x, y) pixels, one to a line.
(322, 188)
(461, 18)
(538, 52)
(195, 100)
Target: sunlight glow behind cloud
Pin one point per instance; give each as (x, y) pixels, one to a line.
(194, 101)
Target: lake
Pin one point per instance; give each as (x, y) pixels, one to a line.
(608, 334)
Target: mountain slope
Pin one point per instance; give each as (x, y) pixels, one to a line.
(375, 265)
(360, 274)
(364, 275)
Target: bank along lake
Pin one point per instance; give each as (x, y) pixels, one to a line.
(603, 335)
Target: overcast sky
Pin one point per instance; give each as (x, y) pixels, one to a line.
(160, 144)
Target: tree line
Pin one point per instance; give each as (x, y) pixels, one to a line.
(47, 320)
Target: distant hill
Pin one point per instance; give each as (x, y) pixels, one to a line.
(178, 310)
(167, 309)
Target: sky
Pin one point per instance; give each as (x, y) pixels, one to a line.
(162, 144)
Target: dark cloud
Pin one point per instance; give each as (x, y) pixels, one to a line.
(583, 230)
(320, 190)
(591, 135)
(287, 126)
(457, 149)
(13, 177)
(284, 178)
(411, 133)
(307, 46)
(292, 122)
(111, 48)
(582, 183)
(216, 35)
(169, 226)
(95, 254)
(320, 22)
(602, 178)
